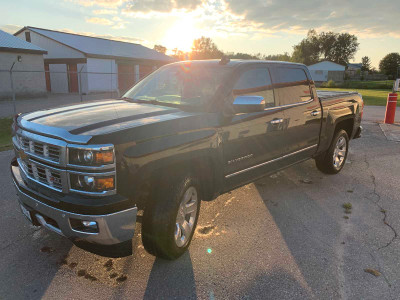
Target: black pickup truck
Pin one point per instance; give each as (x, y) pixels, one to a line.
(188, 132)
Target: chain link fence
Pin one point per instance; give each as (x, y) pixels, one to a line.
(24, 91)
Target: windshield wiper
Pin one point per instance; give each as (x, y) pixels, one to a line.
(154, 102)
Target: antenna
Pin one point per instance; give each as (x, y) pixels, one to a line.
(224, 60)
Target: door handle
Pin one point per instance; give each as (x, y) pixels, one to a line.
(315, 113)
(276, 121)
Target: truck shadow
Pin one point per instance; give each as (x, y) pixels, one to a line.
(171, 279)
(309, 230)
(29, 265)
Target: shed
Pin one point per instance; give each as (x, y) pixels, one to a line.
(26, 83)
(93, 64)
(327, 70)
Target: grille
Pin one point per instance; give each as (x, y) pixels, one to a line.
(44, 175)
(44, 150)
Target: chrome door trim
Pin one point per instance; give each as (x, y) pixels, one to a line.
(270, 161)
(290, 105)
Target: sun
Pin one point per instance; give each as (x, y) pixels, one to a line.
(181, 35)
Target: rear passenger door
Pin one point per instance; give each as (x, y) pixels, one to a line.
(302, 111)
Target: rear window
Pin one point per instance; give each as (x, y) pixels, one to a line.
(292, 85)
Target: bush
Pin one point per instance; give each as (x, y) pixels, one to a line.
(329, 84)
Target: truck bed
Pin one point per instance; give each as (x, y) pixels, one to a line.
(330, 94)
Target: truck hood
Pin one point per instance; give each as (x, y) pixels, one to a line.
(78, 123)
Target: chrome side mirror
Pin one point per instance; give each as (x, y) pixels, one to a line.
(247, 104)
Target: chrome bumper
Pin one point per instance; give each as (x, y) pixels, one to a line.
(112, 228)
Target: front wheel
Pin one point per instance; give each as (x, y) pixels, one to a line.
(333, 160)
(170, 218)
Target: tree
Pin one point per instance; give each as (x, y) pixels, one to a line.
(308, 50)
(390, 64)
(205, 48)
(240, 55)
(160, 48)
(279, 57)
(338, 48)
(366, 63)
(179, 55)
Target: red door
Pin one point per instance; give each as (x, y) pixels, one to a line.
(73, 86)
(47, 76)
(126, 77)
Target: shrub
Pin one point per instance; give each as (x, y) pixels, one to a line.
(331, 84)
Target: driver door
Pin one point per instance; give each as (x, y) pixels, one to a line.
(251, 141)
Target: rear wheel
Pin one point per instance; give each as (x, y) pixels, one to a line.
(333, 160)
(170, 218)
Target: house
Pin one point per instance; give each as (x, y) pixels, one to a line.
(327, 70)
(89, 64)
(21, 56)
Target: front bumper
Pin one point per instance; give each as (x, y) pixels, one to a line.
(114, 228)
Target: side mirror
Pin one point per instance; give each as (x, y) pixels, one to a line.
(248, 104)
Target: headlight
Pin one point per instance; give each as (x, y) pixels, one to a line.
(91, 156)
(92, 183)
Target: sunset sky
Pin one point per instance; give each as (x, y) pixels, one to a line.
(251, 26)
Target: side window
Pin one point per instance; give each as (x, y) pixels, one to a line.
(292, 85)
(255, 82)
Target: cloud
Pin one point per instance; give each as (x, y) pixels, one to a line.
(365, 18)
(10, 28)
(262, 18)
(105, 12)
(107, 36)
(101, 21)
(163, 6)
(101, 3)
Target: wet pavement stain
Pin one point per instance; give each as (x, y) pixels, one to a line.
(47, 249)
(122, 278)
(108, 265)
(72, 265)
(205, 230)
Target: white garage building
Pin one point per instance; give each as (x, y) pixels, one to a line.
(104, 65)
(26, 58)
(327, 70)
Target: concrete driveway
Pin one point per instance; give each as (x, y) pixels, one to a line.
(285, 237)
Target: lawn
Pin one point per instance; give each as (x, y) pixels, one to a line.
(371, 97)
(378, 85)
(5, 134)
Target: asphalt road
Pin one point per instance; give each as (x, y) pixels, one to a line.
(284, 237)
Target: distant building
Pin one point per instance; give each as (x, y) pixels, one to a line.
(354, 67)
(97, 58)
(354, 71)
(31, 56)
(327, 70)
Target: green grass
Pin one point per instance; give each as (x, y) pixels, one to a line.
(5, 134)
(370, 97)
(348, 84)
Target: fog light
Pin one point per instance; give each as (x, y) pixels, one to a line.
(89, 224)
(84, 226)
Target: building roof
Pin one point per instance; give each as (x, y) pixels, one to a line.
(99, 47)
(11, 43)
(327, 61)
(359, 66)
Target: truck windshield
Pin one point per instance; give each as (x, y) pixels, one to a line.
(180, 84)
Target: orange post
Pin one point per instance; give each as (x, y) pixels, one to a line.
(391, 108)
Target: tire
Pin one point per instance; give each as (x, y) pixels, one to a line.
(333, 160)
(167, 227)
